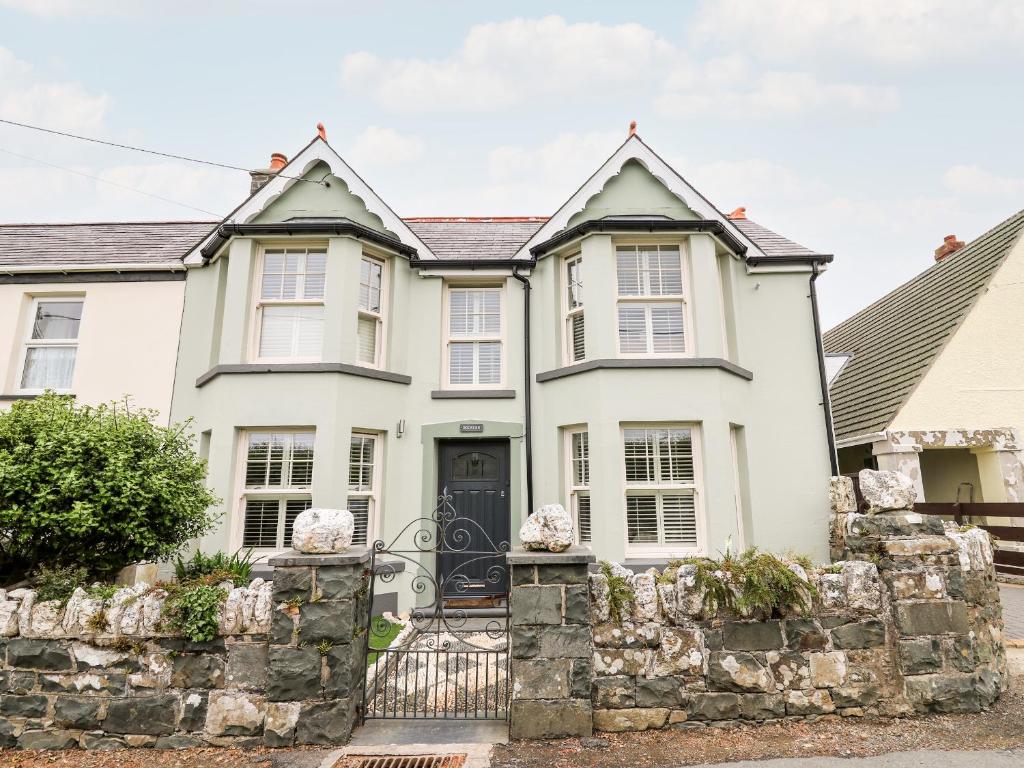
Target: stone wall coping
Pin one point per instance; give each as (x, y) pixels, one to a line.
(292, 559)
(574, 555)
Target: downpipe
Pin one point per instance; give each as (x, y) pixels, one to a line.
(826, 401)
(527, 397)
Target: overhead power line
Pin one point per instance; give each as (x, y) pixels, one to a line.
(108, 181)
(131, 148)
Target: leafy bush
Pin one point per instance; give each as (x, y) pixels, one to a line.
(58, 583)
(101, 486)
(215, 568)
(619, 591)
(194, 609)
(752, 582)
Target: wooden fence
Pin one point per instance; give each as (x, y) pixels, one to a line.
(1008, 561)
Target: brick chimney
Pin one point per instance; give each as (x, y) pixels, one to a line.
(950, 245)
(262, 176)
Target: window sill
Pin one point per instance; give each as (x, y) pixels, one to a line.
(473, 394)
(31, 396)
(343, 368)
(646, 362)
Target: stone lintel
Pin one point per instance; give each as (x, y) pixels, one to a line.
(574, 555)
(293, 559)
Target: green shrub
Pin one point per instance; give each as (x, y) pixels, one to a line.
(619, 591)
(102, 592)
(215, 568)
(101, 487)
(194, 609)
(59, 582)
(752, 582)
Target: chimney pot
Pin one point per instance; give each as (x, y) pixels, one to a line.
(950, 245)
(278, 161)
(739, 213)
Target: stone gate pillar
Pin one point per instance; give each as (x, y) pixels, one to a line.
(316, 658)
(552, 648)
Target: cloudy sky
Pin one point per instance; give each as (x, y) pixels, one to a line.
(864, 128)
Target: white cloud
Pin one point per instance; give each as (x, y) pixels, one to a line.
(28, 97)
(734, 86)
(972, 181)
(383, 148)
(897, 31)
(509, 64)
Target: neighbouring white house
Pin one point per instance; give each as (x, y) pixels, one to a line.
(930, 378)
(93, 310)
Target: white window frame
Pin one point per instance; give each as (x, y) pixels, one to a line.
(259, 303)
(572, 489)
(660, 549)
(373, 511)
(650, 300)
(29, 343)
(448, 339)
(569, 313)
(380, 317)
(282, 494)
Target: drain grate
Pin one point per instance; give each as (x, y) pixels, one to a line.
(407, 761)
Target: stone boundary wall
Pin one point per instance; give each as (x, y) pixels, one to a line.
(283, 670)
(908, 620)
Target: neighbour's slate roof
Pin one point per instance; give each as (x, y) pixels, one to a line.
(474, 238)
(50, 246)
(895, 340)
(772, 243)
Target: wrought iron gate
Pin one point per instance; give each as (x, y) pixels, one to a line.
(450, 659)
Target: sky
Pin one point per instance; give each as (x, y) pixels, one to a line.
(868, 129)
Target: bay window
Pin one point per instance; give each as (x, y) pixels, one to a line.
(276, 488)
(370, 321)
(290, 304)
(661, 489)
(474, 337)
(575, 347)
(579, 482)
(651, 305)
(51, 345)
(363, 483)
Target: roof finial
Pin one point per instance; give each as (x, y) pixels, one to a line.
(740, 213)
(322, 131)
(632, 128)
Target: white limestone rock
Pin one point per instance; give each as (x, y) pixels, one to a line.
(88, 608)
(153, 611)
(8, 618)
(26, 599)
(645, 596)
(600, 605)
(69, 623)
(689, 599)
(841, 497)
(548, 529)
(263, 608)
(974, 546)
(667, 602)
(231, 712)
(46, 619)
(885, 491)
(832, 590)
(323, 531)
(231, 612)
(863, 588)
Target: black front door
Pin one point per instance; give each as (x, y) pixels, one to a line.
(474, 474)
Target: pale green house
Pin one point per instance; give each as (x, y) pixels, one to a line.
(638, 357)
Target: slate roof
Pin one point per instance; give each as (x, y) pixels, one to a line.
(772, 243)
(895, 340)
(49, 246)
(476, 237)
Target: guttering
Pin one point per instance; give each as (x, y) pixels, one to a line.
(12, 269)
(810, 259)
(826, 401)
(225, 231)
(709, 226)
(528, 402)
(471, 264)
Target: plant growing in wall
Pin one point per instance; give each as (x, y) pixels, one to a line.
(194, 609)
(100, 487)
(619, 591)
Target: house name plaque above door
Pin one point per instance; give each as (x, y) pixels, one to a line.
(471, 428)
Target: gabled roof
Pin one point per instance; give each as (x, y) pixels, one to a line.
(894, 341)
(143, 244)
(317, 151)
(634, 149)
